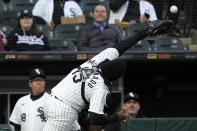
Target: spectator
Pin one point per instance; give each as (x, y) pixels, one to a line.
(30, 109)
(25, 36)
(98, 35)
(3, 41)
(131, 105)
(52, 10)
(138, 10)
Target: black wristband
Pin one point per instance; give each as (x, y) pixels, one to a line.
(102, 120)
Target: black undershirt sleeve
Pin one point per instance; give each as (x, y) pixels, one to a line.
(101, 120)
(124, 45)
(16, 126)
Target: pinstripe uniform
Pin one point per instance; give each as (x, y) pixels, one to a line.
(66, 101)
(30, 114)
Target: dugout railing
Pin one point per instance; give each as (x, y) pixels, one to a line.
(160, 124)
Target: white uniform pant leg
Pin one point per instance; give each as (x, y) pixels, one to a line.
(60, 116)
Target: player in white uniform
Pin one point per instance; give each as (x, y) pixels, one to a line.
(28, 113)
(88, 84)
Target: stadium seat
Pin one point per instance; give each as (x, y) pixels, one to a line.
(5, 127)
(142, 45)
(120, 30)
(87, 7)
(21, 4)
(67, 31)
(3, 6)
(10, 17)
(169, 44)
(151, 40)
(62, 45)
(6, 29)
(134, 28)
(45, 30)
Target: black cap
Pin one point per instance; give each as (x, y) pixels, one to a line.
(132, 96)
(25, 13)
(36, 72)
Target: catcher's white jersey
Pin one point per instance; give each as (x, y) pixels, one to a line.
(30, 114)
(69, 89)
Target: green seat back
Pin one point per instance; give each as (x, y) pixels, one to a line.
(21, 4)
(142, 45)
(10, 17)
(6, 29)
(45, 30)
(169, 44)
(133, 28)
(120, 31)
(67, 31)
(62, 45)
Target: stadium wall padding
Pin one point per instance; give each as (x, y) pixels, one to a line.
(160, 124)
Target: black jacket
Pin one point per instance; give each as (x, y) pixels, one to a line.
(92, 39)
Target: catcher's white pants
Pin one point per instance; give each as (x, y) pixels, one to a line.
(60, 116)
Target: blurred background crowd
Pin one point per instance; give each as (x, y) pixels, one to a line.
(39, 26)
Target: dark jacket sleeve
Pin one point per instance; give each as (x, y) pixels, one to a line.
(118, 36)
(11, 41)
(46, 43)
(83, 40)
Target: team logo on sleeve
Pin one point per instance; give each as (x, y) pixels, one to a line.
(23, 117)
(41, 114)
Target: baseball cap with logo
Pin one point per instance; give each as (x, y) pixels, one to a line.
(132, 96)
(25, 13)
(36, 72)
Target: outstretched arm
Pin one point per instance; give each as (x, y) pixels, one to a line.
(124, 45)
(116, 51)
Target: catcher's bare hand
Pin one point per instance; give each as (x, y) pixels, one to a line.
(122, 114)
